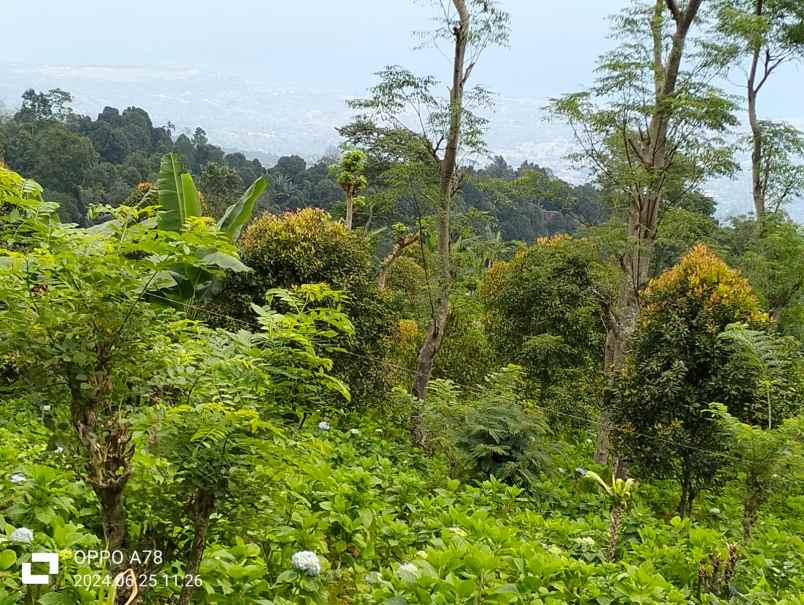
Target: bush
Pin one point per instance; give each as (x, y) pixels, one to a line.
(490, 431)
(542, 308)
(678, 366)
(308, 247)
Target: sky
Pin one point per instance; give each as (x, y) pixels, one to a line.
(322, 43)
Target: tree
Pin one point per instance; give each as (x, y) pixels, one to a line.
(308, 247)
(678, 366)
(443, 130)
(50, 105)
(348, 173)
(767, 34)
(63, 291)
(647, 121)
(543, 307)
(220, 185)
(774, 264)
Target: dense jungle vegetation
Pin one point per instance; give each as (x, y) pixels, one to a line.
(392, 377)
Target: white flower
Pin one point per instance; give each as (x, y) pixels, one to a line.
(22, 534)
(373, 577)
(407, 572)
(585, 541)
(324, 426)
(59, 450)
(354, 431)
(714, 511)
(18, 478)
(307, 561)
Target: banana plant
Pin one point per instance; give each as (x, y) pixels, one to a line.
(620, 494)
(180, 200)
(181, 208)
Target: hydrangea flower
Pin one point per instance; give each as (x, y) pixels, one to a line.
(324, 426)
(18, 478)
(407, 572)
(373, 577)
(306, 561)
(22, 535)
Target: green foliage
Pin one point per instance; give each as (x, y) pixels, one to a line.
(492, 430)
(542, 308)
(773, 263)
(308, 247)
(678, 368)
(768, 458)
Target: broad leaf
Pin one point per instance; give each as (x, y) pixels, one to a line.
(177, 196)
(238, 214)
(224, 261)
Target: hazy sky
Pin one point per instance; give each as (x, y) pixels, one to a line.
(315, 43)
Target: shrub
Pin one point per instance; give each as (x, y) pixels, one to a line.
(678, 367)
(308, 247)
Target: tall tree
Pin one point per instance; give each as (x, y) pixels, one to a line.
(348, 173)
(767, 34)
(409, 121)
(646, 122)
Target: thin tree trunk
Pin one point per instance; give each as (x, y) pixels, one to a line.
(202, 509)
(753, 500)
(108, 450)
(350, 205)
(399, 247)
(685, 492)
(644, 202)
(758, 188)
(615, 523)
(447, 167)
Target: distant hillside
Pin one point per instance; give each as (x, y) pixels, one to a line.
(270, 120)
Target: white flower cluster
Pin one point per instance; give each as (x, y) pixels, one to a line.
(306, 561)
(324, 426)
(407, 572)
(22, 535)
(18, 478)
(373, 577)
(585, 541)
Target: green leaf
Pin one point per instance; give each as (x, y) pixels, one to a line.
(239, 213)
(192, 203)
(177, 195)
(224, 261)
(7, 559)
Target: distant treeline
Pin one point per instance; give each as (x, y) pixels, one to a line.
(82, 161)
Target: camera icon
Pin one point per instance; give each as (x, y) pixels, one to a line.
(52, 560)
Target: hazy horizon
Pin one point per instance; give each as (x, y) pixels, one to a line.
(269, 78)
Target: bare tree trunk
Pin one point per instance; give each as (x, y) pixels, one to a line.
(202, 508)
(350, 208)
(615, 524)
(756, 140)
(447, 167)
(757, 185)
(108, 451)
